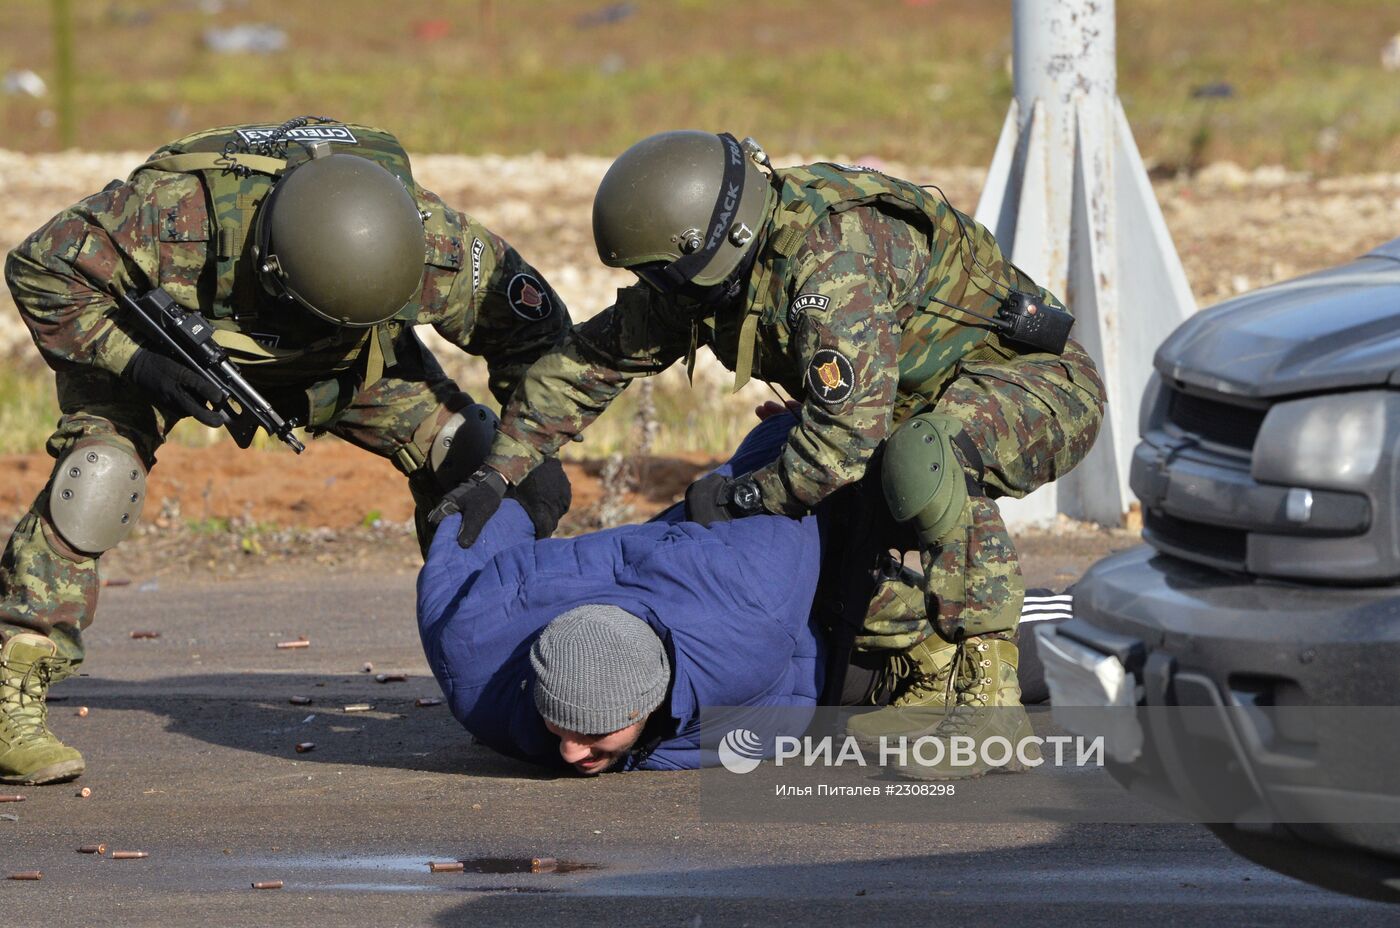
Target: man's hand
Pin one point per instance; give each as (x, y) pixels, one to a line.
(717, 498)
(545, 496)
(477, 500)
(174, 386)
(769, 409)
(897, 617)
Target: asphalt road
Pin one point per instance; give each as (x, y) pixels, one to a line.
(190, 741)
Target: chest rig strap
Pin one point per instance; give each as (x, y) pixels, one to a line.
(784, 245)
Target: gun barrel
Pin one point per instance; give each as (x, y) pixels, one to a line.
(259, 408)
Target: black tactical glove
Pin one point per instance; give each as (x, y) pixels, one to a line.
(717, 498)
(545, 496)
(174, 386)
(477, 500)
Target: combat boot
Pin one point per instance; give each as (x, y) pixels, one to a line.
(986, 705)
(29, 752)
(922, 678)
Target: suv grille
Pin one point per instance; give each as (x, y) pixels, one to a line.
(1215, 422)
(1195, 541)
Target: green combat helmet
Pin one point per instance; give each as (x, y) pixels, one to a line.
(29, 752)
(681, 208)
(342, 237)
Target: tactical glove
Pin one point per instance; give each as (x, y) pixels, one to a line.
(545, 496)
(174, 386)
(717, 498)
(477, 500)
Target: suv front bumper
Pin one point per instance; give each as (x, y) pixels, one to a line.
(1234, 650)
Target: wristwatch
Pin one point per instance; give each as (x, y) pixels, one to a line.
(745, 496)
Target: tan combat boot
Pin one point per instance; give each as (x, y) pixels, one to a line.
(986, 705)
(923, 676)
(29, 752)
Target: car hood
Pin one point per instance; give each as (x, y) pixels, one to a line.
(1335, 329)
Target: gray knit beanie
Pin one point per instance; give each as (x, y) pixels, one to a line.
(598, 669)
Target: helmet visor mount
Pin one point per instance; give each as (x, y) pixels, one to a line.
(270, 272)
(311, 246)
(673, 277)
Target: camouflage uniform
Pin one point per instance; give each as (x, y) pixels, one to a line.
(377, 388)
(840, 310)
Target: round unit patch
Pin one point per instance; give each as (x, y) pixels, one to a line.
(830, 377)
(528, 297)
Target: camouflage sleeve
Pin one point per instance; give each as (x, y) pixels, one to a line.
(502, 309)
(63, 275)
(564, 391)
(847, 344)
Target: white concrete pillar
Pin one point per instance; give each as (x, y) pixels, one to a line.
(1068, 198)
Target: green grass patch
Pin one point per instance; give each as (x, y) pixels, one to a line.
(28, 406)
(926, 83)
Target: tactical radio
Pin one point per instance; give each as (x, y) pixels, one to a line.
(1022, 319)
(1031, 323)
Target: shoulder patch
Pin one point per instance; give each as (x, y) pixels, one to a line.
(478, 247)
(830, 377)
(528, 297)
(805, 302)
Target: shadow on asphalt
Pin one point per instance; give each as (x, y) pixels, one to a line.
(258, 717)
(1041, 883)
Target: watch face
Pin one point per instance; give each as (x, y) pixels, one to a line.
(746, 496)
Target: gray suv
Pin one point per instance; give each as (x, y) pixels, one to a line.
(1269, 584)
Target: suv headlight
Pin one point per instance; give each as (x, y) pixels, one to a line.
(1330, 441)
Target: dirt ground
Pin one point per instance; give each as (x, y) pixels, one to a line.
(221, 511)
(215, 513)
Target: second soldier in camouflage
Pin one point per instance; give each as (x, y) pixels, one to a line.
(835, 283)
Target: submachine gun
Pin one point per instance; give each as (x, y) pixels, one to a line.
(189, 338)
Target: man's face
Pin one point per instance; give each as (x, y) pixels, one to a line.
(593, 754)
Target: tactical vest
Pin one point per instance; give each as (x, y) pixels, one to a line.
(235, 181)
(806, 195)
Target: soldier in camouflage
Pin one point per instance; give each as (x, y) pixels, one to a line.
(313, 253)
(870, 300)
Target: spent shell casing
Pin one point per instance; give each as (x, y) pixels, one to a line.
(427, 701)
(11, 797)
(446, 866)
(306, 746)
(268, 884)
(359, 707)
(93, 849)
(142, 633)
(290, 645)
(82, 712)
(543, 864)
(391, 677)
(129, 855)
(84, 793)
(369, 668)
(26, 875)
(300, 700)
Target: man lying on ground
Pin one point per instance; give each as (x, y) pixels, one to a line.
(598, 651)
